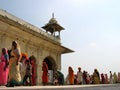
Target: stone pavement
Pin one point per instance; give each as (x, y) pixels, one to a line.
(66, 87)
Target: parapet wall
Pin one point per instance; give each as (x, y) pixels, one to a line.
(4, 14)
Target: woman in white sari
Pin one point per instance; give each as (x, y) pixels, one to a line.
(14, 66)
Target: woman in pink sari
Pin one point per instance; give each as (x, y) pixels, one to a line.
(4, 59)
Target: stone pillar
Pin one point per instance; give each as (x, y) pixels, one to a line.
(3, 42)
(59, 61)
(39, 66)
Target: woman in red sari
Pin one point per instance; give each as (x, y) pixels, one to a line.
(45, 73)
(32, 61)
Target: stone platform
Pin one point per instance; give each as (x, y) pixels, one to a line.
(66, 87)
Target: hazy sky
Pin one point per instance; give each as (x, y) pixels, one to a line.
(92, 29)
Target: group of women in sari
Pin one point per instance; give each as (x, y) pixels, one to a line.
(82, 77)
(10, 66)
(13, 67)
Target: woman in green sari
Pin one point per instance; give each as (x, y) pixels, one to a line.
(14, 66)
(96, 77)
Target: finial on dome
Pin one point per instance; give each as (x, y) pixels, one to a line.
(52, 15)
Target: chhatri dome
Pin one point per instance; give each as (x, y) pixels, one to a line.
(53, 20)
(52, 26)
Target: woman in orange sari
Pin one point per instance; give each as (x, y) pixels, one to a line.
(71, 75)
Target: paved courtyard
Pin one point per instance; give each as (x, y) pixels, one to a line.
(68, 87)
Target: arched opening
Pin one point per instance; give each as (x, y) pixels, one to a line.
(52, 68)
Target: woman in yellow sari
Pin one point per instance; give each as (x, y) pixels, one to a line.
(14, 66)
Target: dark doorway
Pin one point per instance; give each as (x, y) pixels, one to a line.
(49, 63)
(51, 68)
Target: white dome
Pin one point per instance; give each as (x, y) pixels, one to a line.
(52, 20)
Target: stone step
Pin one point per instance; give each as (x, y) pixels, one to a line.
(66, 87)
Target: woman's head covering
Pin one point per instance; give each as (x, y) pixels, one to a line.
(95, 70)
(70, 69)
(45, 65)
(25, 55)
(15, 44)
(4, 50)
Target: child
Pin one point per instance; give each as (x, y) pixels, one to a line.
(28, 73)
